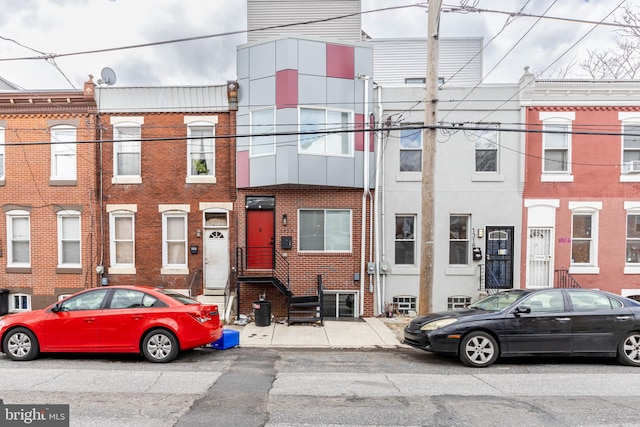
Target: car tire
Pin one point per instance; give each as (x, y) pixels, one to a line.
(478, 350)
(21, 344)
(629, 349)
(160, 346)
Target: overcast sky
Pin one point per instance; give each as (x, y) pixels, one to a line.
(31, 27)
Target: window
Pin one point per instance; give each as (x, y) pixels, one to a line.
(633, 238)
(458, 239)
(317, 120)
(325, 230)
(405, 239)
(404, 304)
(127, 135)
(122, 236)
(631, 147)
(410, 150)
(69, 239)
(129, 298)
(91, 300)
(262, 129)
(174, 240)
(581, 239)
(2, 153)
(20, 302)
(486, 145)
(201, 155)
(63, 153)
(459, 302)
(590, 301)
(556, 147)
(18, 239)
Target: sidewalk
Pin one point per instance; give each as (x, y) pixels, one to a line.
(371, 332)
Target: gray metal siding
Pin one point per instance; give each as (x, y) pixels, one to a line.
(262, 14)
(394, 60)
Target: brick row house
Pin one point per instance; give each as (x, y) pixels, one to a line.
(168, 187)
(49, 195)
(581, 199)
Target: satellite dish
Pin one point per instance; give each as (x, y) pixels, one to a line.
(108, 76)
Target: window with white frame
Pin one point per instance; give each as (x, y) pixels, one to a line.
(633, 238)
(263, 141)
(2, 153)
(458, 302)
(631, 147)
(486, 147)
(458, 239)
(410, 150)
(122, 239)
(63, 152)
(404, 304)
(174, 240)
(201, 151)
(405, 239)
(18, 239)
(325, 230)
(556, 142)
(127, 154)
(584, 236)
(20, 302)
(69, 239)
(315, 121)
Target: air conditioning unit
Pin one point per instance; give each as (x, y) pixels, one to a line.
(631, 167)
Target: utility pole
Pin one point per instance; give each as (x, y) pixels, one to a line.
(428, 160)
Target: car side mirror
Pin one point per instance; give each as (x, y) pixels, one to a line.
(522, 309)
(56, 308)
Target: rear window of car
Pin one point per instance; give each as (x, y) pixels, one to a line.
(180, 298)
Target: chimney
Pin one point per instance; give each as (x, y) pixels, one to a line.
(89, 88)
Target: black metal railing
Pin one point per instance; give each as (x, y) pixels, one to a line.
(259, 263)
(563, 279)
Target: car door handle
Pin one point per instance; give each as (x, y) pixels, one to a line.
(136, 317)
(623, 317)
(89, 319)
(563, 319)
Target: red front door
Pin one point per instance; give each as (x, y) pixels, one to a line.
(260, 239)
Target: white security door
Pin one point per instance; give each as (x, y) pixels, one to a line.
(216, 270)
(539, 259)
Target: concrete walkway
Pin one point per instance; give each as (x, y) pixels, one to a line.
(370, 332)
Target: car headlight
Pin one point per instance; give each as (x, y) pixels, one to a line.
(432, 326)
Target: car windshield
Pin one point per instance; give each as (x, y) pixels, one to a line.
(496, 302)
(180, 298)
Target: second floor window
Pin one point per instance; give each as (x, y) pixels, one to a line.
(410, 150)
(126, 150)
(486, 145)
(317, 120)
(1, 153)
(262, 128)
(63, 152)
(201, 150)
(631, 147)
(556, 147)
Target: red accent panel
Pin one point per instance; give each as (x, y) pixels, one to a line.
(340, 61)
(359, 136)
(242, 169)
(286, 88)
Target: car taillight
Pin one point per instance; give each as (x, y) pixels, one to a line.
(200, 316)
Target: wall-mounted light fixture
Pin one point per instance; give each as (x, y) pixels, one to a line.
(480, 233)
(284, 219)
(198, 232)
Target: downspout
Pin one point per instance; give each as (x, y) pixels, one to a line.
(365, 191)
(376, 196)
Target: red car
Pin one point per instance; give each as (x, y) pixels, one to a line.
(114, 319)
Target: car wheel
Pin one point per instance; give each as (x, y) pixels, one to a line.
(21, 344)
(160, 346)
(478, 350)
(629, 349)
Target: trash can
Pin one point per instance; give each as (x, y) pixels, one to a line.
(262, 313)
(4, 301)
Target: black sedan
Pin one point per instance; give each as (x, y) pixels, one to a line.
(521, 322)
